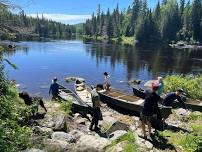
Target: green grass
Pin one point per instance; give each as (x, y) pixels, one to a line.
(127, 40)
(131, 145)
(123, 40)
(66, 106)
(192, 85)
(185, 141)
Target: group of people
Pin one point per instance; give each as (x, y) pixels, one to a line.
(149, 110)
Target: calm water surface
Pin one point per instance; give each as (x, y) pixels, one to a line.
(41, 61)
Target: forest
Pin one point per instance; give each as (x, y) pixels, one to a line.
(19, 26)
(169, 21)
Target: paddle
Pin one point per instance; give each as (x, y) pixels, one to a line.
(135, 82)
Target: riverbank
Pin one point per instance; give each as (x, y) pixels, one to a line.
(122, 40)
(58, 131)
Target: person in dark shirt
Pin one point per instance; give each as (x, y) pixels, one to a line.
(29, 100)
(171, 97)
(150, 108)
(54, 89)
(96, 108)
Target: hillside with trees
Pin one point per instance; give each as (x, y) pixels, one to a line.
(169, 21)
(21, 27)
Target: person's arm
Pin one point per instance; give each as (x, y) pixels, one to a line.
(182, 102)
(50, 89)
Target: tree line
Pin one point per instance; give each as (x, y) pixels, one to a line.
(20, 26)
(169, 20)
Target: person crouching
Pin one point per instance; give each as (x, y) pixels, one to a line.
(29, 101)
(150, 108)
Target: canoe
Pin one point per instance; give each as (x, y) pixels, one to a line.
(195, 105)
(77, 104)
(128, 102)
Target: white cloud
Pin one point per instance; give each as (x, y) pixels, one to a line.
(64, 18)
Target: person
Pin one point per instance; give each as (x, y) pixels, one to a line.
(150, 109)
(171, 97)
(30, 100)
(96, 108)
(161, 86)
(54, 89)
(106, 84)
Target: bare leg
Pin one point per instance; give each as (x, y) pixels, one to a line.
(149, 127)
(143, 128)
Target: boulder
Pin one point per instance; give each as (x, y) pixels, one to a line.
(56, 145)
(76, 134)
(144, 143)
(54, 121)
(81, 121)
(117, 134)
(63, 136)
(182, 112)
(42, 130)
(33, 150)
(89, 143)
(117, 126)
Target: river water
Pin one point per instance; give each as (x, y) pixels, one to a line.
(39, 62)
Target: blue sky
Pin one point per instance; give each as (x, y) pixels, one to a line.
(71, 11)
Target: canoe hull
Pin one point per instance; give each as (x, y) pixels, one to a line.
(128, 106)
(77, 104)
(139, 92)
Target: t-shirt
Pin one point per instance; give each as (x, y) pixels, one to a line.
(171, 97)
(151, 104)
(95, 98)
(160, 89)
(54, 89)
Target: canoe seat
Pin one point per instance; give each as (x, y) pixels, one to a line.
(79, 88)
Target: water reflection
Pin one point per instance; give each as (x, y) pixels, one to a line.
(39, 62)
(155, 60)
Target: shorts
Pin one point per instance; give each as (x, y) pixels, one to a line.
(145, 119)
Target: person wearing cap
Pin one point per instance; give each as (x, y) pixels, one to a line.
(171, 97)
(106, 84)
(54, 89)
(96, 107)
(150, 108)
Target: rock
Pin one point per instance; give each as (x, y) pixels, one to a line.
(76, 134)
(117, 126)
(42, 130)
(89, 143)
(33, 150)
(56, 145)
(63, 136)
(119, 147)
(148, 145)
(117, 134)
(182, 112)
(55, 121)
(81, 121)
(109, 119)
(133, 128)
(77, 115)
(144, 143)
(107, 113)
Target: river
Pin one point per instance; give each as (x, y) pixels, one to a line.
(39, 62)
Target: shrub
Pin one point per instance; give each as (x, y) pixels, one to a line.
(192, 85)
(14, 134)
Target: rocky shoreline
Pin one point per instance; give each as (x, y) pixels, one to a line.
(58, 132)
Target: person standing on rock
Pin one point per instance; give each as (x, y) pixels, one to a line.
(150, 109)
(96, 108)
(54, 89)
